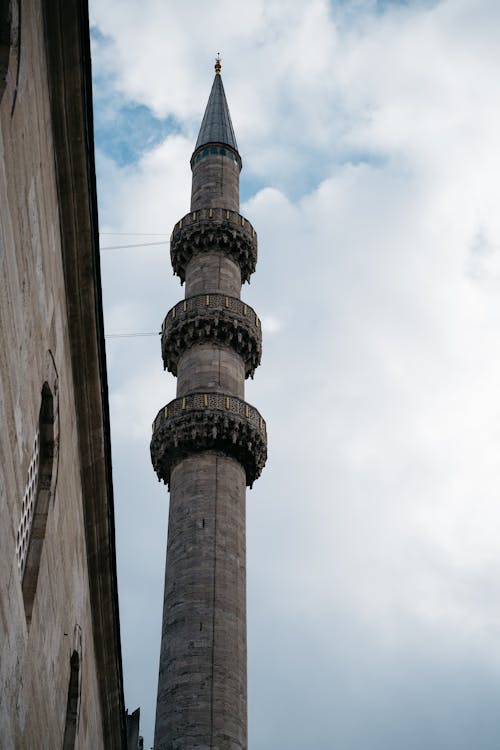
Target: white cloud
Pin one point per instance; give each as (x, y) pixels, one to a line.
(270, 324)
(375, 137)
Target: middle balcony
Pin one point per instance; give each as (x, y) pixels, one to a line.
(212, 318)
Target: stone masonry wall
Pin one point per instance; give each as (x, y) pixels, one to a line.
(35, 663)
(213, 272)
(202, 692)
(216, 182)
(207, 367)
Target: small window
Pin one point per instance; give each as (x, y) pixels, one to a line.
(223, 152)
(73, 702)
(213, 150)
(198, 157)
(229, 153)
(205, 153)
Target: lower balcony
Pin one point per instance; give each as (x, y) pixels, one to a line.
(209, 422)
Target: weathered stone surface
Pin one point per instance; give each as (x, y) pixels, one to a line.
(202, 684)
(49, 303)
(205, 368)
(213, 318)
(216, 178)
(213, 422)
(212, 272)
(210, 229)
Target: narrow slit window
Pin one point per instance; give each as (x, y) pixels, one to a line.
(73, 704)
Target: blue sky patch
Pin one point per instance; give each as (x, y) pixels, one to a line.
(124, 130)
(130, 131)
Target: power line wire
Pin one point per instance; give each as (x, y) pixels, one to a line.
(133, 234)
(140, 244)
(130, 335)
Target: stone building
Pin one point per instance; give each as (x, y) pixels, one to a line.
(60, 665)
(208, 445)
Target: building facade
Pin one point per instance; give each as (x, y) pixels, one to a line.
(60, 665)
(207, 446)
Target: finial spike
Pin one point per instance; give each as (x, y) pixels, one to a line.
(218, 65)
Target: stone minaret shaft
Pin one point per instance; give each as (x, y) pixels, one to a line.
(208, 445)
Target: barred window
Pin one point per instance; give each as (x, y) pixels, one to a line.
(39, 489)
(29, 498)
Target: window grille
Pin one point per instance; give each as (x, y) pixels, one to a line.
(39, 489)
(28, 507)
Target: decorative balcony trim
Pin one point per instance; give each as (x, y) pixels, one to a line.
(214, 229)
(209, 421)
(214, 318)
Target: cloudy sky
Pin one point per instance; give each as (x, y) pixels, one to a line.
(369, 133)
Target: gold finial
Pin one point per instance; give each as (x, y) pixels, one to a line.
(218, 65)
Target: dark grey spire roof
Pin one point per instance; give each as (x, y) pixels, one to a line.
(216, 126)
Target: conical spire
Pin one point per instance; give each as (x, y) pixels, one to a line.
(216, 126)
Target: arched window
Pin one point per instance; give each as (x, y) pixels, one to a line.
(74, 692)
(72, 706)
(39, 489)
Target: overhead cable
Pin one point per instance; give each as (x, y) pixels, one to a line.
(130, 335)
(141, 244)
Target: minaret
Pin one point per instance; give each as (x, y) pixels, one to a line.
(207, 446)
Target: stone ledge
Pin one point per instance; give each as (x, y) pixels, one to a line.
(214, 318)
(209, 421)
(214, 229)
